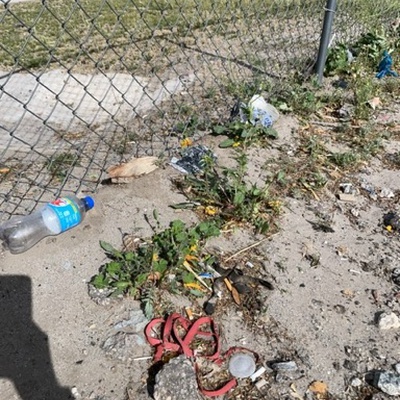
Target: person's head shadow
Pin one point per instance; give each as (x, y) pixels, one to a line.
(24, 349)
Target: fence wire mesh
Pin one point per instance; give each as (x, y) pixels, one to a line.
(85, 84)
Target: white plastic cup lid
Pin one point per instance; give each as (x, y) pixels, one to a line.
(242, 365)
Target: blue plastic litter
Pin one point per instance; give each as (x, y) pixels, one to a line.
(385, 66)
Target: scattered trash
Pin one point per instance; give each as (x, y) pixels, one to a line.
(19, 234)
(176, 335)
(193, 159)
(257, 112)
(340, 84)
(391, 221)
(370, 190)
(385, 66)
(388, 382)
(126, 172)
(4, 170)
(257, 374)
(262, 112)
(242, 365)
(249, 264)
(348, 188)
(189, 313)
(348, 198)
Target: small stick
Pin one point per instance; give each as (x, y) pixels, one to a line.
(311, 190)
(248, 247)
(190, 269)
(143, 358)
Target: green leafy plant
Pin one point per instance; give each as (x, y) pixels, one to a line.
(345, 159)
(137, 273)
(60, 164)
(225, 196)
(338, 60)
(243, 134)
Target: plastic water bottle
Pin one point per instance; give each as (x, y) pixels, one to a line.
(21, 233)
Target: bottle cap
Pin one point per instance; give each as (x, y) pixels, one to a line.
(89, 202)
(242, 365)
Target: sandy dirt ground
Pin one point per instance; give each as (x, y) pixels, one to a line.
(322, 316)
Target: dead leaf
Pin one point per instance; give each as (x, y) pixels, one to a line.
(154, 276)
(294, 393)
(228, 284)
(133, 168)
(342, 251)
(236, 296)
(375, 102)
(348, 293)
(318, 387)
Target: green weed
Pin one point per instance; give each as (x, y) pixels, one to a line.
(345, 159)
(225, 196)
(158, 263)
(244, 134)
(60, 164)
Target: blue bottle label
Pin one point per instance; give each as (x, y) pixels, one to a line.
(67, 211)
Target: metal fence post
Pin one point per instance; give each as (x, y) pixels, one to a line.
(330, 10)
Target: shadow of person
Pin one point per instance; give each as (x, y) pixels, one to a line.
(24, 349)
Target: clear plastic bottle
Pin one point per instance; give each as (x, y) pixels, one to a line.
(21, 233)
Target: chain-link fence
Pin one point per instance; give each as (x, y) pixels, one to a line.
(85, 84)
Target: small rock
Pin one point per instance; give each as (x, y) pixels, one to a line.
(136, 322)
(389, 383)
(124, 346)
(176, 381)
(350, 365)
(346, 111)
(101, 296)
(356, 382)
(354, 212)
(397, 368)
(386, 193)
(388, 321)
(396, 276)
(261, 383)
(284, 366)
(370, 189)
(75, 393)
(67, 265)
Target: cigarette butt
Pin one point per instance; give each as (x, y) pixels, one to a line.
(258, 373)
(189, 313)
